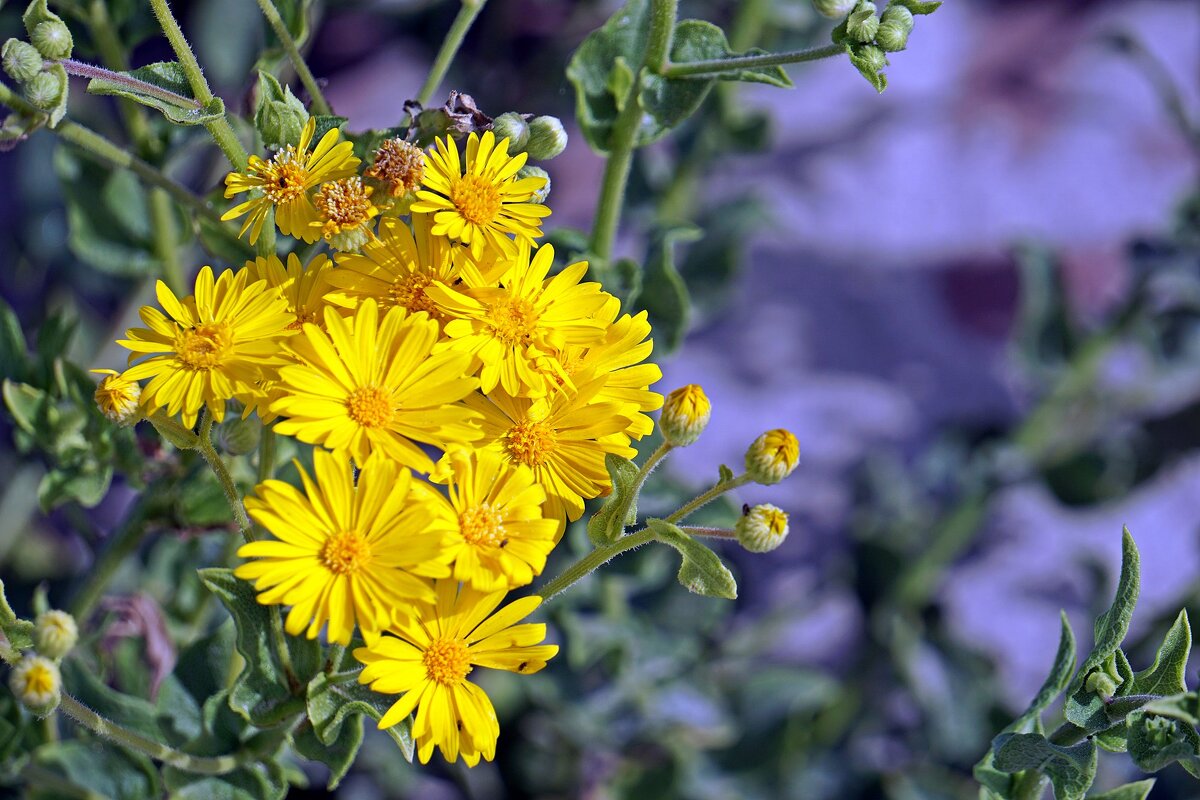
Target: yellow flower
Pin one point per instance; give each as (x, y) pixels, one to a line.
(762, 528)
(501, 540)
(485, 202)
(508, 328)
(373, 385)
(344, 213)
(685, 415)
(563, 438)
(36, 682)
(117, 397)
(215, 345)
(396, 268)
(432, 653)
(344, 553)
(398, 165)
(772, 456)
(285, 182)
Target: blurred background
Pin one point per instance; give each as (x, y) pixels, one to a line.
(975, 299)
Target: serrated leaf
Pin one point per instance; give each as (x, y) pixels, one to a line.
(1130, 791)
(702, 571)
(330, 705)
(1166, 675)
(664, 295)
(338, 755)
(620, 509)
(163, 86)
(1085, 708)
(1071, 769)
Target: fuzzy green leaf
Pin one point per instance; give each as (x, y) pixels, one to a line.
(338, 755)
(27, 404)
(1130, 791)
(917, 6)
(14, 359)
(86, 487)
(134, 713)
(164, 87)
(619, 44)
(620, 509)
(1056, 682)
(696, 40)
(1156, 740)
(330, 705)
(261, 781)
(1071, 769)
(109, 772)
(702, 571)
(1166, 675)
(664, 295)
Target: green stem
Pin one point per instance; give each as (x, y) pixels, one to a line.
(215, 765)
(336, 652)
(706, 498)
(715, 66)
(123, 543)
(162, 222)
(1031, 785)
(320, 105)
(266, 454)
(205, 446)
(713, 533)
(593, 560)
(454, 39)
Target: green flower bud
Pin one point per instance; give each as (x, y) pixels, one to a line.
(512, 126)
(44, 91)
(834, 9)
(36, 682)
(281, 123)
(1101, 684)
(53, 40)
(896, 14)
(772, 456)
(685, 415)
(22, 61)
(530, 171)
(870, 58)
(761, 529)
(891, 37)
(55, 634)
(547, 138)
(239, 436)
(862, 23)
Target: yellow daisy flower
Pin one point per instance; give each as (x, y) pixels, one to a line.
(373, 385)
(215, 345)
(484, 203)
(529, 316)
(344, 553)
(117, 397)
(286, 181)
(563, 438)
(501, 540)
(433, 651)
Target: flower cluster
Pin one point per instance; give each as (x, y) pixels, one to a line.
(459, 394)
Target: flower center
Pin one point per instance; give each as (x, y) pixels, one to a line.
(345, 553)
(39, 681)
(400, 165)
(204, 346)
(370, 406)
(301, 318)
(513, 320)
(477, 199)
(531, 443)
(447, 661)
(776, 520)
(409, 292)
(344, 204)
(284, 178)
(483, 526)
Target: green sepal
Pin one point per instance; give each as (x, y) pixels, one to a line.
(279, 116)
(170, 78)
(338, 755)
(173, 431)
(620, 509)
(1083, 707)
(109, 772)
(702, 571)
(1130, 791)
(331, 705)
(664, 294)
(1166, 675)
(866, 66)
(1071, 769)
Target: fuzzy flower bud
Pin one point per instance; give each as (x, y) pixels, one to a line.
(55, 633)
(898, 15)
(547, 138)
(22, 61)
(862, 23)
(238, 436)
(44, 91)
(512, 126)
(52, 38)
(869, 57)
(685, 415)
(118, 397)
(772, 457)
(891, 37)
(36, 682)
(834, 9)
(530, 171)
(762, 528)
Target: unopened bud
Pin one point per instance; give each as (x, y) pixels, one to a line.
(685, 415)
(891, 37)
(862, 23)
(281, 123)
(869, 58)
(55, 634)
(772, 457)
(512, 126)
(22, 61)
(238, 436)
(118, 398)
(1101, 683)
(53, 40)
(547, 138)
(896, 14)
(762, 528)
(834, 9)
(44, 91)
(530, 171)
(36, 682)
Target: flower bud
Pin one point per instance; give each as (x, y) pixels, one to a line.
(891, 37)
(761, 529)
(512, 126)
(1101, 684)
(862, 23)
(869, 58)
(772, 457)
(55, 633)
(36, 682)
(896, 14)
(834, 9)
(530, 171)
(117, 397)
(238, 436)
(52, 38)
(547, 138)
(281, 122)
(44, 91)
(22, 61)
(685, 415)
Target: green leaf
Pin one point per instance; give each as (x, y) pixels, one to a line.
(134, 713)
(696, 40)
(1157, 740)
(163, 86)
(27, 404)
(86, 487)
(326, 123)
(1130, 791)
(14, 359)
(620, 81)
(620, 509)
(1056, 682)
(263, 693)
(1071, 769)
(338, 755)
(917, 6)
(110, 772)
(1083, 707)
(992, 779)
(330, 705)
(173, 431)
(702, 571)
(664, 295)
(1166, 675)
(262, 781)
(619, 44)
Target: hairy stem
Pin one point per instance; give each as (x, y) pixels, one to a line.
(593, 561)
(693, 69)
(84, 70)
(320, 105)
(205, 446)
(712, 533)
(454, 39)
(706, 498)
